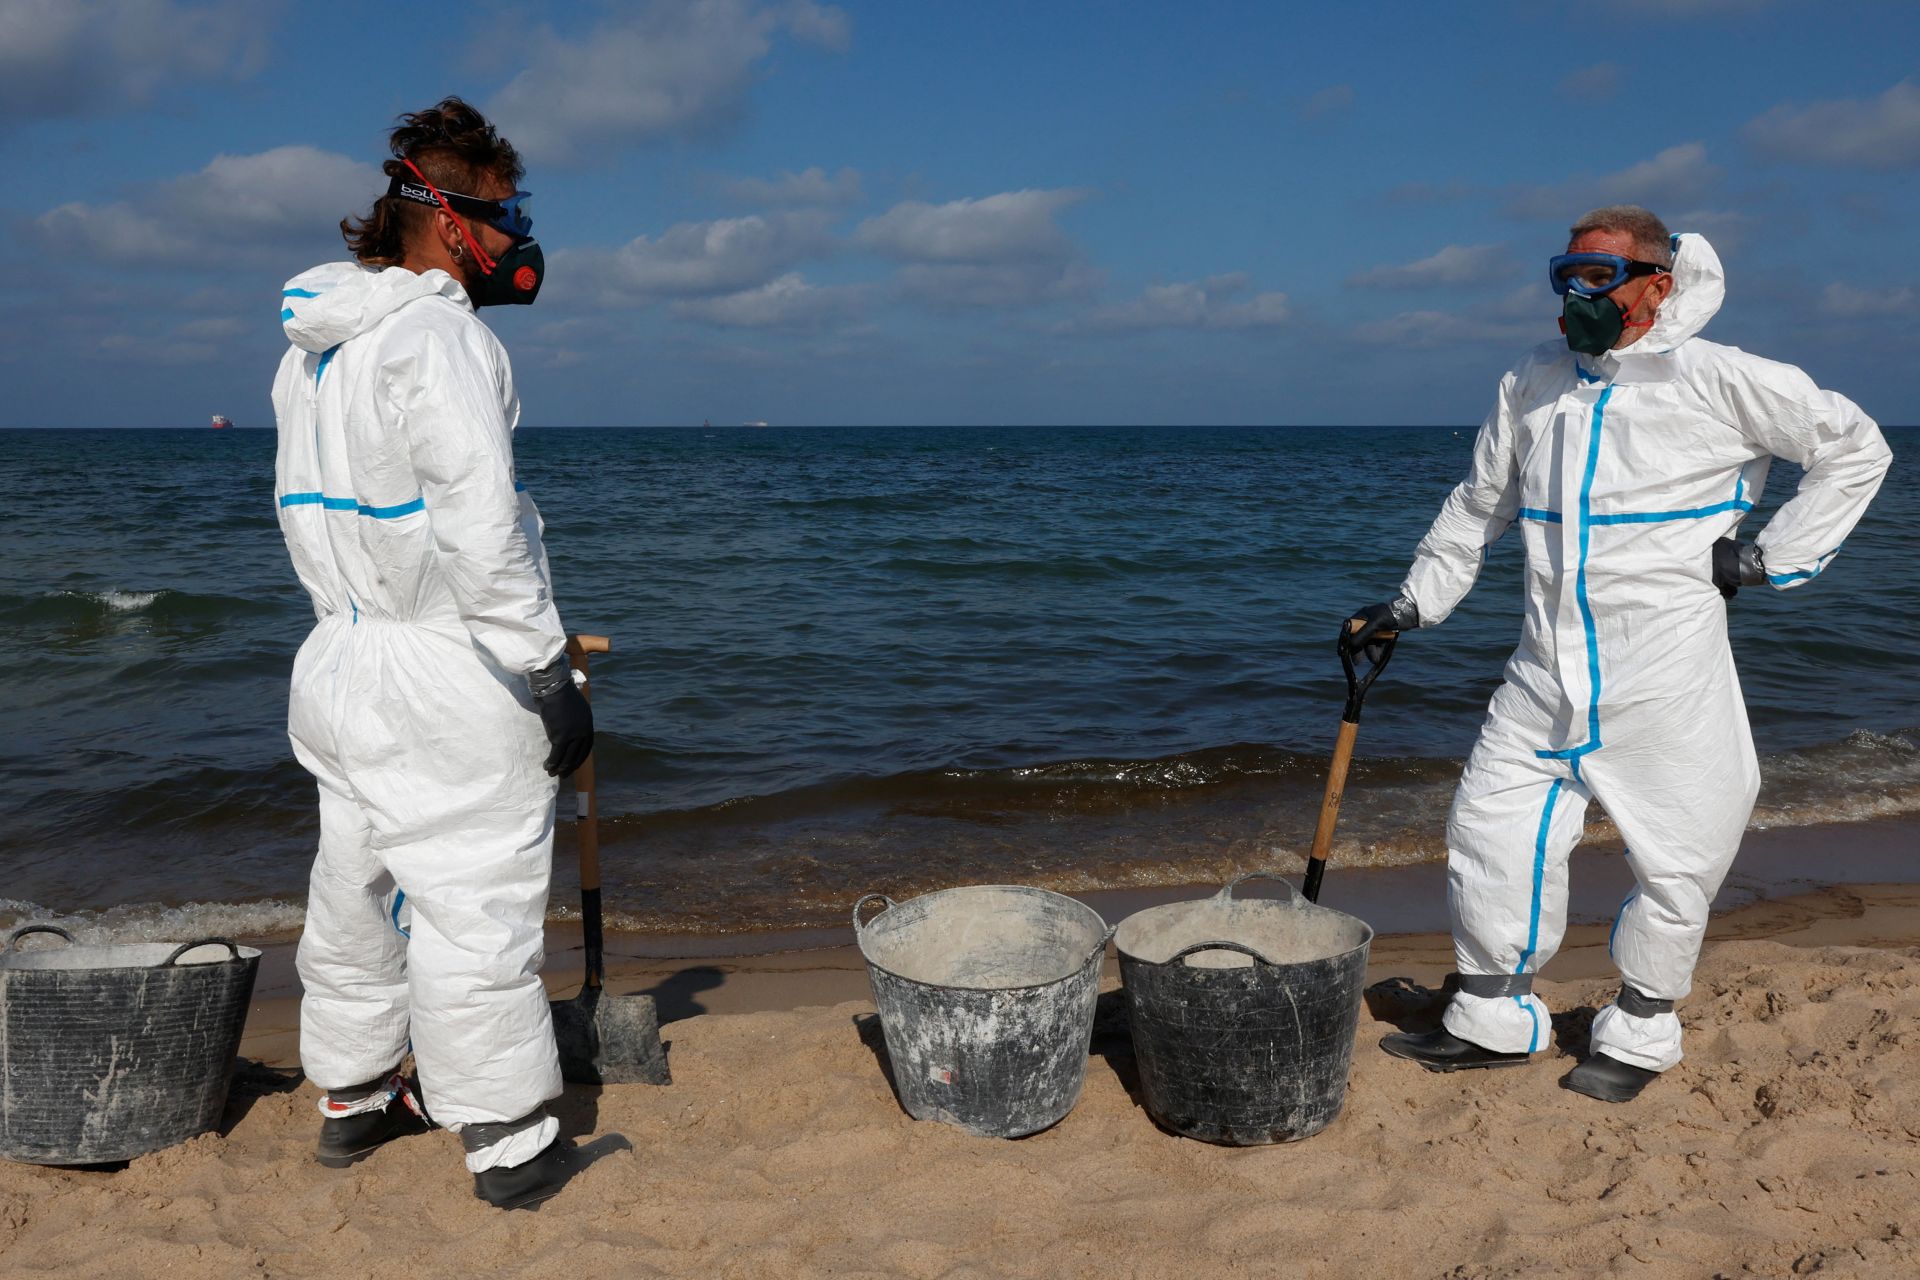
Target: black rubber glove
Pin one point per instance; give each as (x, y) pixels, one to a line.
(1736, 565)
(566, 715)
(1399, 614)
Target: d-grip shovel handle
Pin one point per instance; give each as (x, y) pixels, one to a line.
(1357, 686)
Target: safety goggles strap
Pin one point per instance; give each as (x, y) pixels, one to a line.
(1494, 985)
(423, 192)
(439, 197)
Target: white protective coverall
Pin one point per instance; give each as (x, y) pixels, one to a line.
(409, 705)
(1622, 470)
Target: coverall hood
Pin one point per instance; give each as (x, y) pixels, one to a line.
(322, 308)
(1699, 287)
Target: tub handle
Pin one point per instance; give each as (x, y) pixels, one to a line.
(185, 947)
(1241, 947)
(1226, 890)
(26, 929)
(861, 905)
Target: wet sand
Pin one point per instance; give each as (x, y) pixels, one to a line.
(1787, 1143)
(755, 972)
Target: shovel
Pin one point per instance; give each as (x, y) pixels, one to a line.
(603, 1038)
(1357, 686)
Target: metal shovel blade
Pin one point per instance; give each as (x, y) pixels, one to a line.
(608, 1039)
(603, 1039)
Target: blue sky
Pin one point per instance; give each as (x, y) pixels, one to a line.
(980, 213)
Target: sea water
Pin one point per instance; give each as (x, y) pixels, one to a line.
(854, 659)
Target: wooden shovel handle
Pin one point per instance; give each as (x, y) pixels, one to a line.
(578, 647)
(1336, 789)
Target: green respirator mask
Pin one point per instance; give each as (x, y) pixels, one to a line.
(1591, 319)
(1592, 324)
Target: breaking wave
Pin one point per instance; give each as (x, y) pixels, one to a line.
(796, 859)
(153, 922)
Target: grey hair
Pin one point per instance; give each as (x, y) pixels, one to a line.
(1650, 238)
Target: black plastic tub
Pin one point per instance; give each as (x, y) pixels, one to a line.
(986, 997)
(1243, 1013)
(108, 1052)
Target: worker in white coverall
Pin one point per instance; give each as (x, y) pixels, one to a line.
(432, 701)
(1629, 455)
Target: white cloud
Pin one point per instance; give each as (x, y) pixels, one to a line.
(692, 259)
(1880, 133)
(563, 344)
(811, 186)
(1723, 228)
(212, 327)
(1015, 284)
(1601, 80)
(243, 204)
(1677, 175)
(1199, 304)
(1335, 98)
(1009, 227)
(663, 70)
(822, 25)
(1515, 320)
(1001, 250)
(787, 302)
(111, 231)
(90, 57)
(1444, 329)
(1845, 300)
(1455, 264)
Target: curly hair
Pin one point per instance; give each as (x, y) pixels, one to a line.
(455, 147)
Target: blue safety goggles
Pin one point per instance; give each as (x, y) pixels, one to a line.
(1589, 274)
(510, 215)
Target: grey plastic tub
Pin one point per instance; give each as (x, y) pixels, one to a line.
(1243, 1012)
(108, 1052)
(986, 998)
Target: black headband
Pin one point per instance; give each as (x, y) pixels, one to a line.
(419, 192)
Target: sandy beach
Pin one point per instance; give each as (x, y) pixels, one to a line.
(1784, 1145)
(960, 447)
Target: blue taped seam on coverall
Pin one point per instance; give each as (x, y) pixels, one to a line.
(1623, 687)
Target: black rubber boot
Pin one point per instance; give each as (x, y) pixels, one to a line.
(347, 1140)
(1608, 1079)
(1441, 1050)
(523, 1186)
